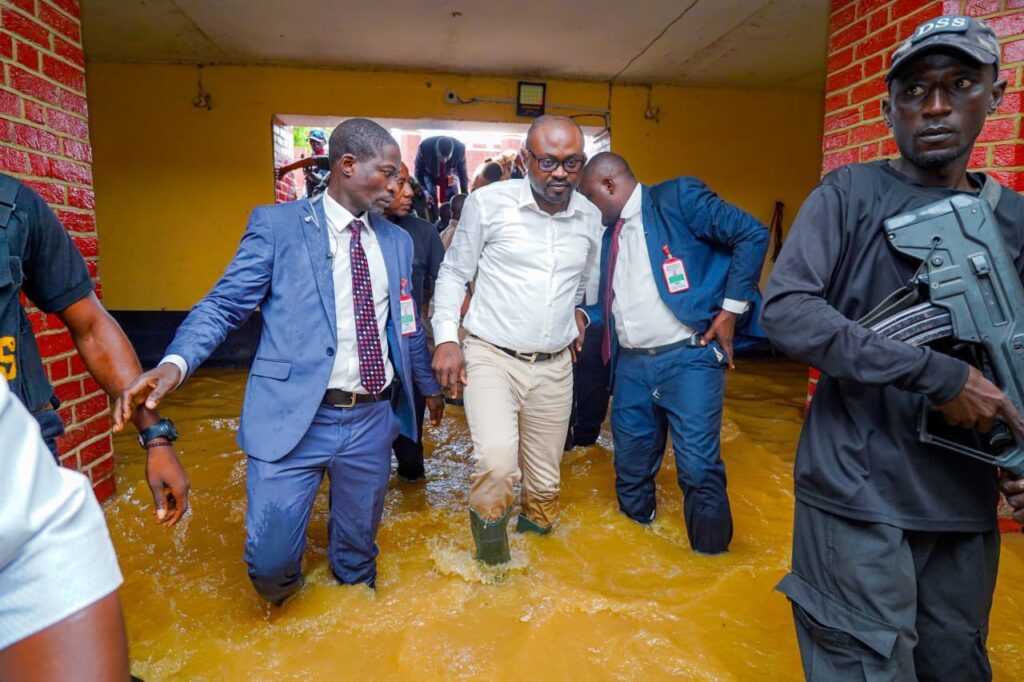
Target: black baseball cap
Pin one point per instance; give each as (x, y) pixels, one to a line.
(967, 35)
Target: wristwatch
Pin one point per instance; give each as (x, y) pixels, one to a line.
(162, 429)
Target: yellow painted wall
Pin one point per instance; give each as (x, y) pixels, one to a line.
(175, 184)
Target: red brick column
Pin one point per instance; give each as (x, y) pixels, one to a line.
(285, 189)
(44, 139)
(862, 37)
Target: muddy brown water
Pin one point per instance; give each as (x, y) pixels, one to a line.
(601, 598)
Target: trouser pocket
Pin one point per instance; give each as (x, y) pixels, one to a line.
(838, 641)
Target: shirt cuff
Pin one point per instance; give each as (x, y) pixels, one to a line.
(445, 332)
(178, 362)
(733, 306)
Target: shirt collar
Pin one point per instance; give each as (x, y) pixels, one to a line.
(527, 200)
(632, 207)
(338, 215)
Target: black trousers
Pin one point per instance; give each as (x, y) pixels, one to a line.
(875, 602)
(409, 452)
(589, 392)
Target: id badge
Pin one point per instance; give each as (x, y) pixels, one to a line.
(675, 273)
(408, 312)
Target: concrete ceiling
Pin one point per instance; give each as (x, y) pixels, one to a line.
(740, 43)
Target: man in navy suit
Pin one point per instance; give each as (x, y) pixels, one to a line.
(440, 160)
(679, 266)
(340, 353)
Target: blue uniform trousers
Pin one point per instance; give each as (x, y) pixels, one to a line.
(353, 447)
(679, 390)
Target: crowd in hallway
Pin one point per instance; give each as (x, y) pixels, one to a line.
(540, 294)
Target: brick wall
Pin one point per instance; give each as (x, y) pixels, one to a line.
(862, 37)
(287, 188)
(44, 139)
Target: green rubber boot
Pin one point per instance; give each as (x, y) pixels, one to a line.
(491, 538)
(525, 525)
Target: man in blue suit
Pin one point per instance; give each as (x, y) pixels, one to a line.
(341, 350)
(679, 266)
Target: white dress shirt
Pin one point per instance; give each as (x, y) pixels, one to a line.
(345, 373)
(642, 320)
(531, 269)
(56, 557)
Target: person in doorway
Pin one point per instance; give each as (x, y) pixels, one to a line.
(41, 261)
(340, 354)
(679, 267)
(448, 233)
(510, 162)
(315, 168)
(441, 167)
(427, 254)
(895, 542)
(488, 174)
(530, 245)
(60, 616)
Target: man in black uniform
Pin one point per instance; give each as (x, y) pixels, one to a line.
(427, 254)
(895, 543)
(38, 258)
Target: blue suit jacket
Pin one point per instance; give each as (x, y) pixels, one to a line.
(282, 265)
(722, 248)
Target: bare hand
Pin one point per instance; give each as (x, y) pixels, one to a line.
(576, 347)
(1013, 489)
(723, 328)
(449, 367)
(978, 403)
(435, 406)
(169, 484)
(149, 387)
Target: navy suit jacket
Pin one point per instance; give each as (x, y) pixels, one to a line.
(282, 266)
(722, 248)
(426, 165)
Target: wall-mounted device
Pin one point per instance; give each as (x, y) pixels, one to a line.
(530, 99)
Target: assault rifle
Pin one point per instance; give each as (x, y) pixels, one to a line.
(972, 297)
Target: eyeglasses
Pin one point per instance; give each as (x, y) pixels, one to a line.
(548, 164)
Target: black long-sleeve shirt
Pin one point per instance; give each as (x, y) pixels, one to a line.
(859, 455)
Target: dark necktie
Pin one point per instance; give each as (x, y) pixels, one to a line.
(442, 183)
(371, 361)
(613, 255)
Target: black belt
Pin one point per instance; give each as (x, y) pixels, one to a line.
(335, 397)
(518, 355)
(692, 342)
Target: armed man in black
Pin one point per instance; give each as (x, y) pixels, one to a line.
(895, 546)
(38, 258)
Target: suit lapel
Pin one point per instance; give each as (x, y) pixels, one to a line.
(389, 251)
(654, 235)
(314, 229)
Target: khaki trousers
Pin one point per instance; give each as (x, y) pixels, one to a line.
(518, 414)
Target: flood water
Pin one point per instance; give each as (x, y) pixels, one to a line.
(601, 598)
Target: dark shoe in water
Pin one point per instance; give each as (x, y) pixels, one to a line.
(491, 538)
(525, 525)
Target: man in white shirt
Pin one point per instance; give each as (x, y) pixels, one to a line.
(678, 266)
(60, 617)
(531, 245)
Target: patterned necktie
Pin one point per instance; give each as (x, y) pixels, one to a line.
(613, 255)
(371, 361)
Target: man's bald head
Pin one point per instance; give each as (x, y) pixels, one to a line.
(608, 165)
(557, 123)
(608, 182)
